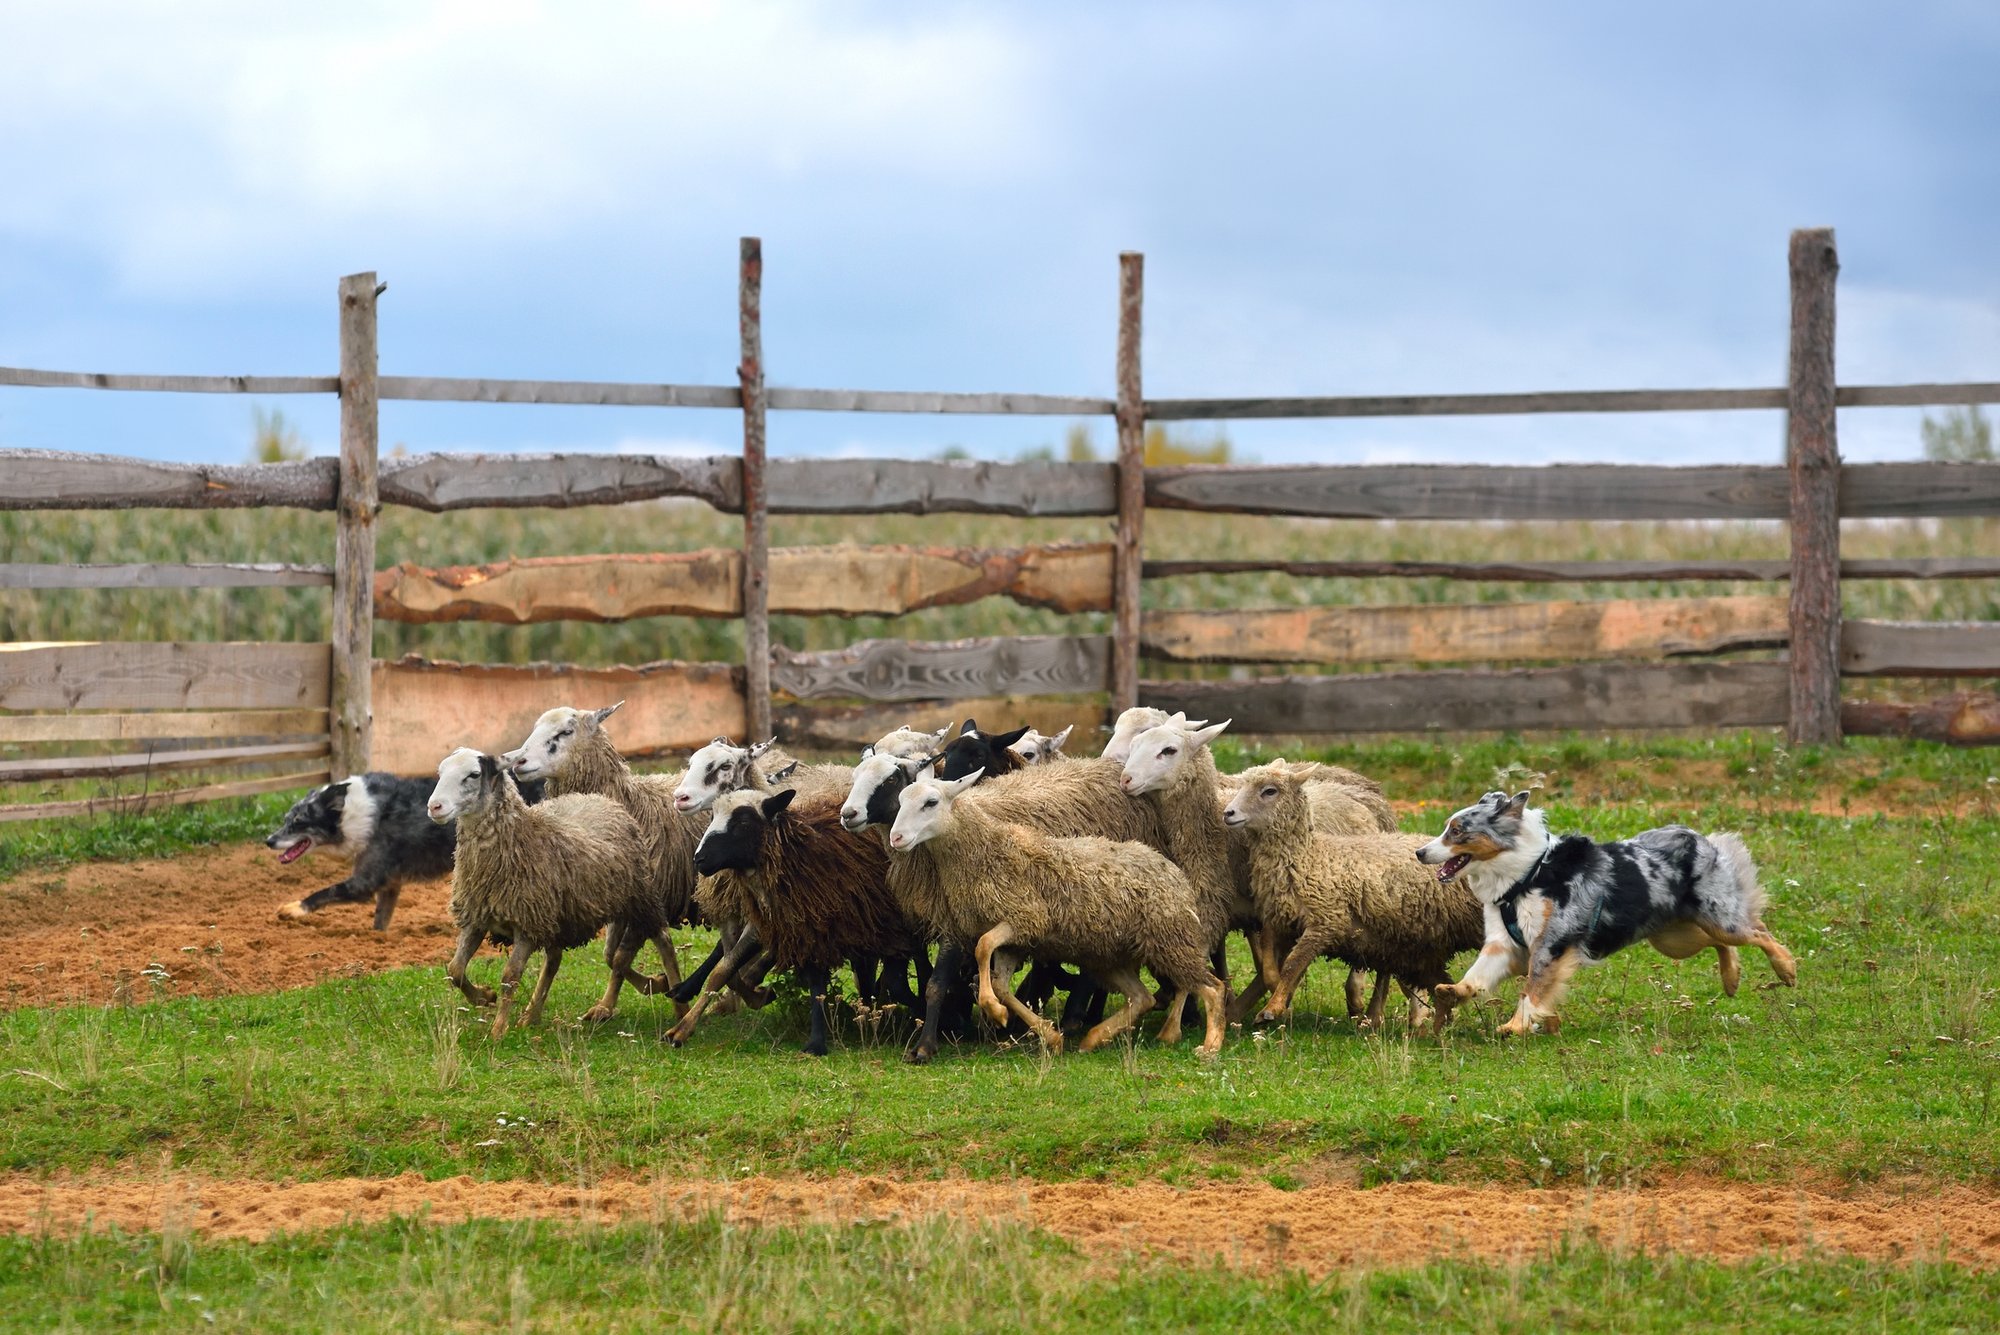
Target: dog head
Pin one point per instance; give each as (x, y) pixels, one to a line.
(315, 820)
(1494, 826)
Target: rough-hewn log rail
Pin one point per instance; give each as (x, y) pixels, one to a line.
(1471, 632)
(49, 480)
(1588, 572)
(849, 727)
(649, 395)
(836, 581)
(1587, 696)
(165, 575)
(161, 725)
(157, 762)
(176, 797)
(1920, 648)
(423, 708)
(108, 675)
(1956, 720)
(893, 670)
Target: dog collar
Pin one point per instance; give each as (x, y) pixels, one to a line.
(1510, 916)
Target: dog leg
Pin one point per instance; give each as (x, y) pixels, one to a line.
(1731, 968)
(1760, 936)
(385, 905)
(1497, 962)
(1548, 978)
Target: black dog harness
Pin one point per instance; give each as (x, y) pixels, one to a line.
(1509, 903)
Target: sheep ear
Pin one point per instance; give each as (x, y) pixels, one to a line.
(778, 801)
(1007, 739)
(761, 747)
(599, 715)
(489, 770)
(867, 751)
(953, 787)
(1203, 736)
(941, 733)
(969, 728)
(1055, 743)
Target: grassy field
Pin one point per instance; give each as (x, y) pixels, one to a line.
(1880, 1068)
(931, 1277)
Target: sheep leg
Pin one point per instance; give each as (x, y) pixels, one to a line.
(620, 946)
(1310, 947)
(1215, 1010)
(722, 975)
(946, 987)
(649, 985)
(1138, 1000)
(690, 987)
(895, 988)
(1170, 1028)
(1041, 983)
(817, 979)
(982, 966)
(1244, 1003)
(866, 970)
(1084, 1006)
(551, 961)
(1357, 992)
(1422, 1017)
(469, 940)
(749, 983)
(1272, 955)
(510, 978)
(1378, 1002)
(1003, 986)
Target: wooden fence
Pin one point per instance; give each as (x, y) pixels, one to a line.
(1628, 663)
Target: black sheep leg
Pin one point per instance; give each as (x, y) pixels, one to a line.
(895, 988)
(947, 1002)
(817, 978)
(865, 967)
(690, 986)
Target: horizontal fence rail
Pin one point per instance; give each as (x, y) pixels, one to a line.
(165, 575)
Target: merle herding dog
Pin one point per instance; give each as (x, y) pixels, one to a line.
(1555, 905)
(380, 823)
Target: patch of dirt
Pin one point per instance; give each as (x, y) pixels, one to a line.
(209, 919)
(1316, 1229)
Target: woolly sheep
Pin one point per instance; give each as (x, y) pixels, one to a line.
(908, 743)
(571, 751)
(1109, 907)
(1360, 898)
(547, 877)
(723, 767)
(1037, 748)
(813, 893)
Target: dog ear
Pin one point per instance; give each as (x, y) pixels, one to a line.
(1516, 804)
(336, 795)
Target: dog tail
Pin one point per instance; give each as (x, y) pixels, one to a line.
(1735, 858)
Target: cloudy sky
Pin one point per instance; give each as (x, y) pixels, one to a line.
(1332, 198)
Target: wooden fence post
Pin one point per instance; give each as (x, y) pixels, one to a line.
(1127, 552)
(349, 707)
(1813, 457)
(756, 521)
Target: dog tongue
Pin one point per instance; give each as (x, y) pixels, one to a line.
(296, 851)
(1450, 867)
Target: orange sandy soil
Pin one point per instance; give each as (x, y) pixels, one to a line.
(1318, 1229)
(85, 933)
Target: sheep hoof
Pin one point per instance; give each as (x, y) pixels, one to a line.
(1267, 1016)
(597, 1014)
(815, 1048)
(918, 1056)
(480, 996)
(296, 911)
(995, 1012)
(1512, 1029)
(1208, 1052)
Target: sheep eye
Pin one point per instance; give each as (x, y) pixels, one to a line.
(928, 805)
(1270, 792)
(1169, 751)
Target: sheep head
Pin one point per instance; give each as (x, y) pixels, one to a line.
(735, 836)
(923, 810)
(1261, 793)
(465, 777)
(556, 734)
(718, 768)
(1158, 754)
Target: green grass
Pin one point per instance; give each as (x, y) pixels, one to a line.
(1883, 1062)
(933, 1276)
(150, 834)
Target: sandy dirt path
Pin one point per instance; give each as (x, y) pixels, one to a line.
(1317, 1229)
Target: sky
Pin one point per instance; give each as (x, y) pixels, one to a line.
(1331, 198)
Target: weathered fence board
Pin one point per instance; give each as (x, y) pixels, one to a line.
(447, 389)
(1920, 648)
(1963, 719)
(101, 675)
(164, 575)
(1588, 572)
(17, 729)
(1470, 632)
(424, 709)
(940, 486)
(1587, 696)
(901, 401)
(1926, 490)
(440, 482)
(947, 670)
(360, 502)
(108, 767)
(172, 384)
(175, 797)
(1467, 405)
(843, 727)
(1812, 458)
(839, 581)
(57, 480)
(1442, 491)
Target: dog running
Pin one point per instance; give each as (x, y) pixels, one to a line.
(1553, 906)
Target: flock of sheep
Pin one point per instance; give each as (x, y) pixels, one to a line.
(998, 848)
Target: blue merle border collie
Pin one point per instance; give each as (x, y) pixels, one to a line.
(1555, 905)
(381, 824)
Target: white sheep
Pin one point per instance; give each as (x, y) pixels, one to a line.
(1108, 907)
(546, 877)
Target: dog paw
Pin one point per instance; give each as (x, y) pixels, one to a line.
(296, 911)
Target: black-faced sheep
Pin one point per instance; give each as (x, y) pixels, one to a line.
(814, 894)
(1361, 898)
(1111, 907)
(547, 877)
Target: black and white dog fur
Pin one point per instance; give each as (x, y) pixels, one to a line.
(379, 822)
(1555, 905)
